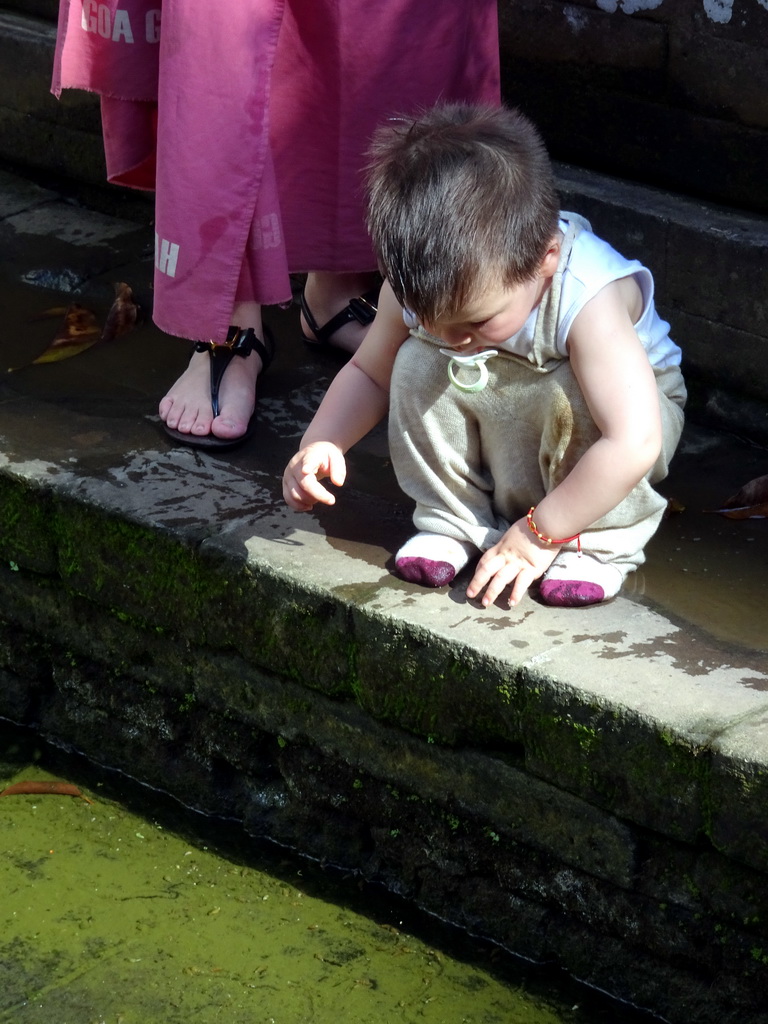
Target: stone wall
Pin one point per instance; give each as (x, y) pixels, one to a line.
(673, 93)
(37, 132)
(568, 828)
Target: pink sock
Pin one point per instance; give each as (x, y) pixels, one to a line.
(432, 559)
(574, 580)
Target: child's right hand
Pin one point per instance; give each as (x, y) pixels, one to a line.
(301, 480)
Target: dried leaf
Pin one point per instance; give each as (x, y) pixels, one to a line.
(749, 502)
(122, 315)
(78, 331)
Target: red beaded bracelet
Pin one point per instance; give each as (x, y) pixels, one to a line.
(549, 540)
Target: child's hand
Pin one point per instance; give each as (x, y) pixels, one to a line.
(301, 480)
(519, 558)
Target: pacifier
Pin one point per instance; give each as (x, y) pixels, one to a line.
(476, 360)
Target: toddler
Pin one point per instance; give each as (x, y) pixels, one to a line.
(534, 393)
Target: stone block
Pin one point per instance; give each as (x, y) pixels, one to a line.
(727, 892)
(721, 77)
(36, 129)
(42, 145)
(17, 195)
(26, 540)
(46, 9)
(616, 760)
(22, 660)
(739, 793)
(720, 271)
(633, 220)
(16, 698)
(580, 37)
(723, 20)
(408, 677)
(736, 360)
(300, 635)
(725, 410)
(26, 49)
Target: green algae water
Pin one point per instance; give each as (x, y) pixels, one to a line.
(110, 916)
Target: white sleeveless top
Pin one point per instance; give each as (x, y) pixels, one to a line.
(591, 265)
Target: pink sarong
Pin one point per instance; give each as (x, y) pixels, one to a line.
(251, 121)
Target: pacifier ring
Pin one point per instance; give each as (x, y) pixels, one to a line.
(473, 362)
(477, 385)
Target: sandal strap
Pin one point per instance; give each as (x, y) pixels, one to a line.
(362, 308)
(241, 341)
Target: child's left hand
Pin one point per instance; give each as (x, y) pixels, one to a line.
(519, 558)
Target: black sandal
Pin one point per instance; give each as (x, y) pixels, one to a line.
(363, 309)
(240, 342)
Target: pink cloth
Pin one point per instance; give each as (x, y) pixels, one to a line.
(251, 121)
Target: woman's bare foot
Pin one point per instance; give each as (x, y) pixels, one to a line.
(187, 406)
(326, 294)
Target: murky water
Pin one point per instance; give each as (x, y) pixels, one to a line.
(110, 916)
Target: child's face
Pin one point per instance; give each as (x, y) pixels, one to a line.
(497, 312)
(492, 318)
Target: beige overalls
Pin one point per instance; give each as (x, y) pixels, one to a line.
(475, 461)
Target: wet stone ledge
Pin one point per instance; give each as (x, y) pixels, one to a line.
(472, 776)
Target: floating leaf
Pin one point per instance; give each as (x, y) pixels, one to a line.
(78, 331)
(122, 315)
(749, 502)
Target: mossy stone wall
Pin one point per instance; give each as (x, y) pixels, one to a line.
(497, 800)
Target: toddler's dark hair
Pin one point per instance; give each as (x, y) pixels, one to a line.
(460, 200)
